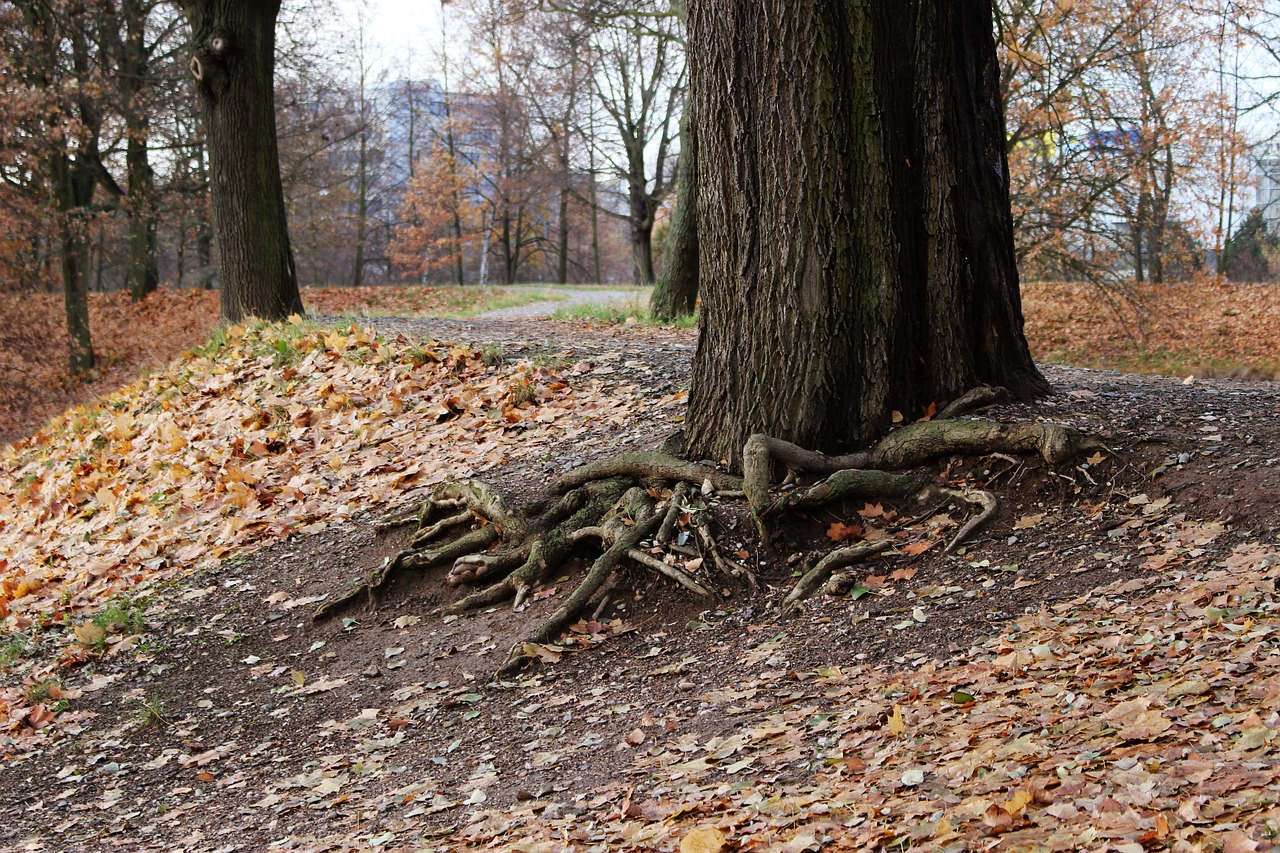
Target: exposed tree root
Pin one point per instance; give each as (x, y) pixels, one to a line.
(817, 576)
(878, 472)
(648, 509)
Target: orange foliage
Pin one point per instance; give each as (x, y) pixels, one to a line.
(439, 219)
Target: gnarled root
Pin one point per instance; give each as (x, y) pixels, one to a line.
(646, 508)
(811, 580)
(879, 471)
(513, 551)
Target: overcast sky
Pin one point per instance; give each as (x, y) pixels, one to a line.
(400, 27)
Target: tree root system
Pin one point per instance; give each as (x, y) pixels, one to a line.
(649, 510)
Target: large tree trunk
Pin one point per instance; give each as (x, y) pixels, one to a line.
(676, 290)
(233, 60)
(856, 240)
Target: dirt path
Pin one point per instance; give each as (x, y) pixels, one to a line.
(571, 297)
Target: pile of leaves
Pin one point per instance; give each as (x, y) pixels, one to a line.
(1205, 328)
(128, 337)
(273, 430)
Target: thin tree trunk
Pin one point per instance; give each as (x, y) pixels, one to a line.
(362, 203)
(675, 293)
(856, 245)
(484, 246)
(641, 221)
(74, 256)
(233, 60)
(143, 274)
(562, 255)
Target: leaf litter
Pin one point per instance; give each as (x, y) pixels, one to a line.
(1139, 715)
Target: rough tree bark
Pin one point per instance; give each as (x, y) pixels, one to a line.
(232, 61)
(854, 228)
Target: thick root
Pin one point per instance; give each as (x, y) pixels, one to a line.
(653, 498)
(875, 472)
(655, 466)
(811, 580)
(590, 585)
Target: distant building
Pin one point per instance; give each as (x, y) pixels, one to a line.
(1269, 187)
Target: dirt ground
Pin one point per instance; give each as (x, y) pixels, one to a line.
(237, 723)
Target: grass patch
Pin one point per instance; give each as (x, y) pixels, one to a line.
(152, 711)
(47, 692)
(419, 301)
(13, 650)
(122, 615)
(621, 314)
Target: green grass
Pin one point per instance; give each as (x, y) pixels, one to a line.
(13, 650)
(40, 692)
(620, 314)
(122, 615)
(510, 300)
(452, 302)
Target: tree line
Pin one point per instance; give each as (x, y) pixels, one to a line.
(542, 144)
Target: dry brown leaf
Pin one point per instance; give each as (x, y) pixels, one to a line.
(915, 549)
(702, 840)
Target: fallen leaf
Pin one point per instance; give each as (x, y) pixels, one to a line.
(702, 840)
(89, 633)
(997, 818)
(915, 549)
(897, 725)
(841, 532)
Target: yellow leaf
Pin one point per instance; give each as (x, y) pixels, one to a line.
(897, 725)
(702, 840)
(1021, 799)
(89, 634)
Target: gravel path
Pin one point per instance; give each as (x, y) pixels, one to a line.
(539, 310)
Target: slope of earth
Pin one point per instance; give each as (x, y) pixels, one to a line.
(132, 337)
(1098, 669)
